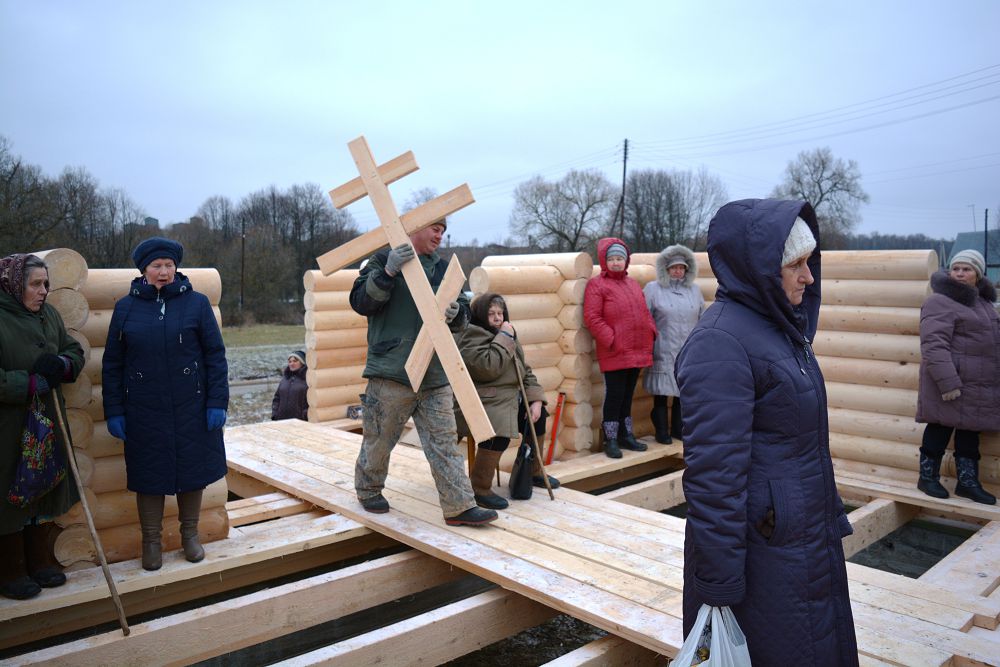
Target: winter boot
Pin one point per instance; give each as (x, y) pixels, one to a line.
(659, 418)
(538, 480)
(188, 509)
(482, 479)
(968, 482)
(628, 440)
(41, 560)
(930, 477)
(14, 580)
(151, 525)
(474, 516)
(611, 440)
(676, 426)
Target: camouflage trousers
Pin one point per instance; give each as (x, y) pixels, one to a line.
(387, 407)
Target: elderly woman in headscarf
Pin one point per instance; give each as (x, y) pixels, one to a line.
(959, 374)
(495, 360)
(36, 356)
(764, 521)
(166, 392)
(675, 303)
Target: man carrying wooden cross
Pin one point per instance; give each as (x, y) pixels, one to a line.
(381, 294)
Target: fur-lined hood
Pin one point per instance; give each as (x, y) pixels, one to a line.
(663, 277)
(943, 283)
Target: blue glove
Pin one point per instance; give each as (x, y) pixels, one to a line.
(116, 426)
(216, 418)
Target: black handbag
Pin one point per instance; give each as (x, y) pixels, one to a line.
(520, 473)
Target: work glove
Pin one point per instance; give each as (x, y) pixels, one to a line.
(116, 426)
(951, 395)
(51, 367)
(41, 387)
(451, 311)
(215, 417)
(398, 256)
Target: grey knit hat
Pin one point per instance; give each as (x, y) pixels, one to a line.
(616, 250)
(971, 257)
(800, 242)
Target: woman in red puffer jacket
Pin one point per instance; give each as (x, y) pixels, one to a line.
(615, 312)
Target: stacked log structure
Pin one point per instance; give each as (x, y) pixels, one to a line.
(336, 345)
(544, 295)
(100, 456)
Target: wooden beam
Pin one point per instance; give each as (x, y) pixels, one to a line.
(413, 221)
(423, 297)
(213, 630)
(437, 636)
(263, 508)
(859, 483)
(607, 652)
(972, 567)
(423, 350)
(389, 172)
(655, 494)
(246, 486)
(874, 521)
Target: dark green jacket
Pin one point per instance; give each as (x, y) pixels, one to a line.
(393, 320)
(493, 361)
(24, 336)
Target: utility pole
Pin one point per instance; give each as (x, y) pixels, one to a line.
(986, 240)
(620, 211)
(243, 254)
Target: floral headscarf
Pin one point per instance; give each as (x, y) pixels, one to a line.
(12, 275)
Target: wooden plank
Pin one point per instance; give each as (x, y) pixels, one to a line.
(437, 636)
(598, 463)
(423, 297)
(389, 172)
(609, 651)
(423, 350)
(213, 630)
(413, 221)
(972, 567)
(656, 494)
(851, 482)
(901, 650)
(263, 508)
(246, 486)
(874, 521)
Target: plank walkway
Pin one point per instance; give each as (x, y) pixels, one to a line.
(615, 566)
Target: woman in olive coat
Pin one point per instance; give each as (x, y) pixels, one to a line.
(36, 356)
(494, 357)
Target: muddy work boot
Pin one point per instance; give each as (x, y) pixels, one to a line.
(151, 525)
(474, 516)
(14, 580)
(188, 510)
(930, 477)
(628, 441)
(482, 479)
(376, 504)
(43, 567)
(611, 448)
(968, 482)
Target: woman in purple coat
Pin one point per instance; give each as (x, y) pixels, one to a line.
(959, 374)
(764, 521)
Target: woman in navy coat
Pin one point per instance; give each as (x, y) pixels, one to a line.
(166, 392)
(764, 521)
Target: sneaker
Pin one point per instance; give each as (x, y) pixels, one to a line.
(375, 504)
(539, 481)
(474, 516)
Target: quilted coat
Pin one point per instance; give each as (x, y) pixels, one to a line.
(960, 349)
(764, 521)
(290, 401)
(615, 312)
(164, 365)
(24, 336)
(675, 306)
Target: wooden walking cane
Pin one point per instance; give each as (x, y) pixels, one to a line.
(86, 512)
(531, 430)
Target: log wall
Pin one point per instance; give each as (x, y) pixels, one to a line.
(85, 299)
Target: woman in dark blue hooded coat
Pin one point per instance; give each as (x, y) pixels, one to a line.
(166, 392)
(764, 521)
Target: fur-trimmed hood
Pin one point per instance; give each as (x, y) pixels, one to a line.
(663, 277)
(943, 283)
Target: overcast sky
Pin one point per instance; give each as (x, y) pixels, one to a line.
(176, 102)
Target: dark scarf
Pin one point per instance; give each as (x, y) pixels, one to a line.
(12, 275)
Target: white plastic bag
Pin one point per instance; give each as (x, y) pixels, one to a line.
(715, 640)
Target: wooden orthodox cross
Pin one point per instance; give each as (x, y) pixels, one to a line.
(395, 230)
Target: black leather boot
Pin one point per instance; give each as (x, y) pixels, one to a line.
(39, 540)
(628, 440)
(14, 580)
(659, 418)
(611, 448)
(968, 482)
(676, 425)
(930, 477)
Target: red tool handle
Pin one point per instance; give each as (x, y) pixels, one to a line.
(555, 427)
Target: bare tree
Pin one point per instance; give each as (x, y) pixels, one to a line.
(418, 197)
(832, 186)
(219, 214)
(566, 215)
(667, 207)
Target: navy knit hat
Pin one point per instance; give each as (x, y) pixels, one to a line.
(157, 248)
(300, 355)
